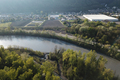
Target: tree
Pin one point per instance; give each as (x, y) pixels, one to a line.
(37, 76)
(47, 66)
(27, 75)
(104, 38)
(12, 74)
(48, 76)
(3, 75)
(13, 67)
(55, 77)
(78, 66)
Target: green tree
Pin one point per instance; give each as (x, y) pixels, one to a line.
(12, 74)
(3, 75)
(27, 75)
(37, 76)
(77, 66)
(48, 76)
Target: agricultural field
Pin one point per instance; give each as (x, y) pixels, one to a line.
(5, 24)
(20, 23)
(52, 23)
(34, 23)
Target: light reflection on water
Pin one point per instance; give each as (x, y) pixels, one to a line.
(36, 43)
(48, 45)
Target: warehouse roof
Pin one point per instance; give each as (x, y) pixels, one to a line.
(100, 17)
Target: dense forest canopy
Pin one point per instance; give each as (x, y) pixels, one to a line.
(15, 6)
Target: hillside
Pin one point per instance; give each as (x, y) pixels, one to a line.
(11, 6)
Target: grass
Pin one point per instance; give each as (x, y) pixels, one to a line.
(70, 20)
(5, 24)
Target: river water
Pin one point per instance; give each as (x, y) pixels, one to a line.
(48, 45)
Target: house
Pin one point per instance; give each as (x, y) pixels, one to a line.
(53, 17)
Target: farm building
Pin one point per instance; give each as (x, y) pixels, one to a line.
(100, 17)
(53, 17)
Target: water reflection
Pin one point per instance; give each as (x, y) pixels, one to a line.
(46, 40)
(48, 45)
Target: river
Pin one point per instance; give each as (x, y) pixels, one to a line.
(48, 45)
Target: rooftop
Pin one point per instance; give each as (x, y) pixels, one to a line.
(99, 17)
(54, 15)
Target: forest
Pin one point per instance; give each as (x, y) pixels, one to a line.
(101, 32)
(82, 66)
(17, 65)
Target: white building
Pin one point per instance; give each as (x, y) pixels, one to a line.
(53, 17)
(100, 17)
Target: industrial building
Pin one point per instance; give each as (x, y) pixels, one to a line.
(100, 17)
(53, 17)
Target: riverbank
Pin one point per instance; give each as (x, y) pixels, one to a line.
(111, 52)
(47, 45)
(29, 51)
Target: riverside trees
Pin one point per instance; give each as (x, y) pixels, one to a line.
(13, 67)
(74, 65)
(101, 32)
(78, 66)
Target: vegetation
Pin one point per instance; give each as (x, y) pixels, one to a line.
(7, 20)
(5, 24)
(28, 51)
(16, 64)
(78, 66)
(21, 67)
(111, 51)
(104, 33)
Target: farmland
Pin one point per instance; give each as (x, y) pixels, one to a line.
(34, 23)
(20, 23)
(52, 23)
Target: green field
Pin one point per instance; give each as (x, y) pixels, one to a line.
(5, 24)
(70, 20)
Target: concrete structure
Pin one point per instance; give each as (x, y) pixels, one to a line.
(53, 17)
(100, 17)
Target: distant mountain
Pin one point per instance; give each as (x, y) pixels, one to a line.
(11, 6)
